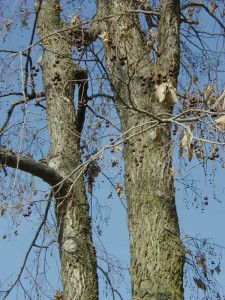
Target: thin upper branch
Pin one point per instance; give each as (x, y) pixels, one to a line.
(15, 103)
(198, 4)
(32, 244)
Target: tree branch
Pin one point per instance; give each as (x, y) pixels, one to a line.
(31, 246)
(206, 9)
(29, 165)
(7, 94)
(14, 104)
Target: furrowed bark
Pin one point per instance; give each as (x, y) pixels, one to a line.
(157, 253)
(78, 262)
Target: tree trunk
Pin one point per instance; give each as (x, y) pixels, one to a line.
(157, 253)
(78, 261)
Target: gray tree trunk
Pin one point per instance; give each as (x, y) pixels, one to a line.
(78, 261)
(157, 253)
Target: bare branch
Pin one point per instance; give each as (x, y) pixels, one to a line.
(14, 104)
(101, 95)
(29, 50)
(190, 4)
(29, 165)
(31, 246)
(11, 94)
(108, 280)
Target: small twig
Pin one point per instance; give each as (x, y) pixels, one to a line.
(15, 103)
(31, 246)
(109, 281)
(199, 4)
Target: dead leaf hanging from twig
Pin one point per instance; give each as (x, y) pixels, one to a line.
(166, 93)
(221, 121)
(186, 142)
